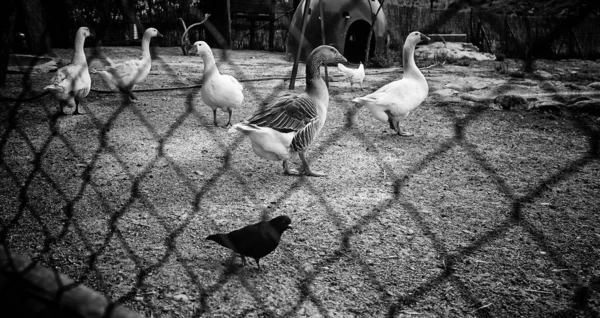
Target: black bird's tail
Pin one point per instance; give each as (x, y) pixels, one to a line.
(222, 239)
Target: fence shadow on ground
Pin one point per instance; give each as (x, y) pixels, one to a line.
(11, 275)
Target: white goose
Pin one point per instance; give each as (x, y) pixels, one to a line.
(71, 83)
(289, 123)
(124, 76)
(218, 90)
(353, 75)
(394, 101)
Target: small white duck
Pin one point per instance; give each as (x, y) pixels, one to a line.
(71, 83)
(124, 76)
(290, 123)
(353, 75)
(394, 101)
(218, 90)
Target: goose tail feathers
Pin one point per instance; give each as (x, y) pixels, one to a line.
(244, 127)
(363, 100)
(107, 79)
(53, 88)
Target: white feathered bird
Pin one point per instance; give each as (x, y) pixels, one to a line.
(72, 83)
(355, 76)
(218, 90)
(394, 101)
(124, 76)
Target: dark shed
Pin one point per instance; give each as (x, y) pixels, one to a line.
(347, 24)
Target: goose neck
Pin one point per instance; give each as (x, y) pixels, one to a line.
(209, 63)
(79, 55)
(146, 46)
(313, 67)
(408, 61)
(315, 86)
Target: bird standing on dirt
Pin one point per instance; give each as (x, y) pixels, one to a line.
(291, 122)
(353, 75)
(72, 83)
(394, 101)
(218, 91)
(124, 76)
(256, 240)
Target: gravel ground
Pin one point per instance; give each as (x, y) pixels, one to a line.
(484, 212)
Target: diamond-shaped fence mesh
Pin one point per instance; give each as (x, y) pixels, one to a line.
(469, 218)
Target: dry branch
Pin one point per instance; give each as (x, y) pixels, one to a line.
(184, 40)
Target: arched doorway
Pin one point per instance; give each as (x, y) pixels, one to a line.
(356, 39)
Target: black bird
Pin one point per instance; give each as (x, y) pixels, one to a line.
(255, 240)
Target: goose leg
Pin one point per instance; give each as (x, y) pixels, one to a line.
(76, 112)
(404, 133)
(256, 259)
(230, 111)
(215, 117)
(61, 108)
(306, 168)
(286, 169)
(401, 131)
(129, 94)
(391, 120)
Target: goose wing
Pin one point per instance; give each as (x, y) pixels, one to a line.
(60, 79)
(68, 78)
(286, 113)
(290, 113)
(233, 81)
(125, 72)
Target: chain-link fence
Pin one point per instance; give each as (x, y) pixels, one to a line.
(486, 214)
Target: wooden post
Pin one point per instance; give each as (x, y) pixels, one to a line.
(227, 34)
(297, 59)
(252, 32)
(7, 26)
(272, 26)
(322, 18)
(577, 44)
(487, 41)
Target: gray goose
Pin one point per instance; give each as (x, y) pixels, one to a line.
(291, 122)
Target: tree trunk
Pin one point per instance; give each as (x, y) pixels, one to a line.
(373, 20)
(37, 35)
(7, 25)
(60, 26)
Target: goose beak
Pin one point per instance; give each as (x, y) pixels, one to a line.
(339, 58)
(424, 37)
(160, 35)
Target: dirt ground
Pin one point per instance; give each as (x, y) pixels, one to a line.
(485, 212)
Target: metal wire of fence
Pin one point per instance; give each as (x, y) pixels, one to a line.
(58, 214)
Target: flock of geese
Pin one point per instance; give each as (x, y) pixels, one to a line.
(287, 124)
